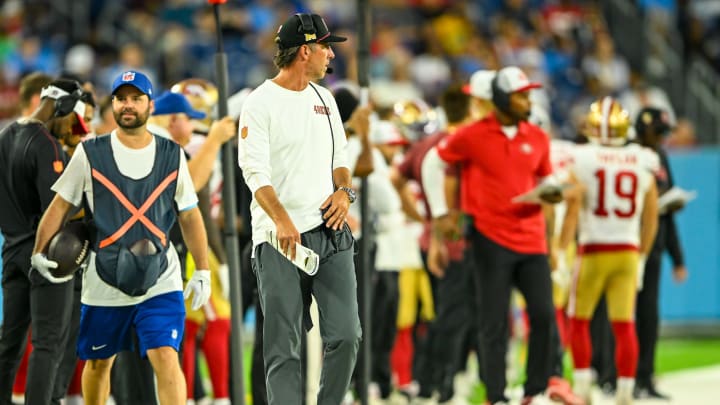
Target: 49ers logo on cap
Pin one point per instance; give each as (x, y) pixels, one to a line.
(128, 76)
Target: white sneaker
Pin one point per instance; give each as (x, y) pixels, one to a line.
(624, 393)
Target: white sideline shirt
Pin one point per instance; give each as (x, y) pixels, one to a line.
(286, 142)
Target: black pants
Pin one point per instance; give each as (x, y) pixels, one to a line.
(603, 346)
(30, 300)
(385, 301)
(647, 319)
(69, 359)
(498, 270)
(445, 349)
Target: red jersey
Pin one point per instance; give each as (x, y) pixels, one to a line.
(499, 168)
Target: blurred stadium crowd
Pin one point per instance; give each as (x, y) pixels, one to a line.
(418, 46)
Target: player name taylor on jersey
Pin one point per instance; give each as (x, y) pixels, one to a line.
(617, 180)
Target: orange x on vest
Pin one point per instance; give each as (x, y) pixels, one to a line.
(138, 214)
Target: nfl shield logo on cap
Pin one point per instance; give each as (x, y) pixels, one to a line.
(135, 79)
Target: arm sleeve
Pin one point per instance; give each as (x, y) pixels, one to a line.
(405, 167)
(74, 180)
(544, 169)
(254, 146)
(185, 196)
(433, 182)
(672, 240)
(340, 157)
(354, 148)
(455, 148)
(50, 160)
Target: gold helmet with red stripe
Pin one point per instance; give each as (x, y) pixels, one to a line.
(607, 122)
(415, 118)
(202, 95)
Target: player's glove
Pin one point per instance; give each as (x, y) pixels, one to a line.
(641, 271)
(42, 265)
(199, 287)
(224, 276)
(561, 273)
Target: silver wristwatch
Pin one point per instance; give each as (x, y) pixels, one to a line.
(350, 193)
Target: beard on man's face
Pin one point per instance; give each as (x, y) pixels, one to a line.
(125, 122)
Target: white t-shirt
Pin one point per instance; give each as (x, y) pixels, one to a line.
(136, 164)
(285, 142)
(616, 180)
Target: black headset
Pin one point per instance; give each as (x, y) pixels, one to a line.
(500, 98)
(64, 105)
(306, 24)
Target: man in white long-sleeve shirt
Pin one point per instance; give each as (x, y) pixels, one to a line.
(292, 152)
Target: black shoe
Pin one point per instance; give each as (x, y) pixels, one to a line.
(649, 392)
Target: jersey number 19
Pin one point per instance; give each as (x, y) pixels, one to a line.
(625, 188)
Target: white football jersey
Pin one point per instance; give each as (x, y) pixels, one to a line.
(561, 159)
(616, 180)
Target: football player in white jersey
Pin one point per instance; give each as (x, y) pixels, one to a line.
(616, 220)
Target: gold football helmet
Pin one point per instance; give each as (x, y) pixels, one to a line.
(607, 122)
(202, 95)
(415, 118)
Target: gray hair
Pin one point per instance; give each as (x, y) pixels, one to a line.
(284, 57)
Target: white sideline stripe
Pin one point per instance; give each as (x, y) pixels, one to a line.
(686, 387)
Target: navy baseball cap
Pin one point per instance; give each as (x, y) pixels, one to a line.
(133, 78)
(302, 29)
(175, 103)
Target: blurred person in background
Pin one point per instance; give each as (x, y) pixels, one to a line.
(30, 87)
(509, 159)
(30, 149)
(652, 126)
(211, 324)
(616, 220)
(104, 123)
(446, 262)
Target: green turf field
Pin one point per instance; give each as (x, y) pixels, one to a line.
(680, 354)
(672, 355)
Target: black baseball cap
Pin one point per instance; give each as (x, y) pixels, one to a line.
(651, 117)
(292, 33)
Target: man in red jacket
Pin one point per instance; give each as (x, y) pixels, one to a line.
(505, 157)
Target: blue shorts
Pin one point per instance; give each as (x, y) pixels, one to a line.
(105, 331)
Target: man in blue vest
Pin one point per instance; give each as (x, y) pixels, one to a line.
(135, 186)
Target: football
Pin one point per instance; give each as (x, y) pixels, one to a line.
(69, 248)
(143, 247)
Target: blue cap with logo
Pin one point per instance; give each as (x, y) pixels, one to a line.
(175, 103)
(135, 79)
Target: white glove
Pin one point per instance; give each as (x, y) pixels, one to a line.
(224, 276)
(561, 273)
(42, 264)
(641, 271)
(199, 287)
